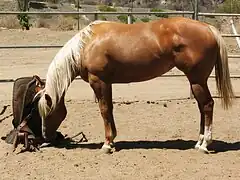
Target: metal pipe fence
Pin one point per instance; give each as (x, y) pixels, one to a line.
(95, 13)
(92, 13)
(116, 13)
(195, 14)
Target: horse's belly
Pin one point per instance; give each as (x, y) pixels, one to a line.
(140, 72)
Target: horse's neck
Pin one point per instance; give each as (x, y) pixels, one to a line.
(60, 75)
(63, 69)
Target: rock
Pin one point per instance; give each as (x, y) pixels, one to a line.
(37, 5)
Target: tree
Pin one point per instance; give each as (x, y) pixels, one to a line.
(23, 18)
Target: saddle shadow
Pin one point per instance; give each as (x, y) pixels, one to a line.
(69, 143)
(178, 144)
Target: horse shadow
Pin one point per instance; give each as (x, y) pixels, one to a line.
(178, 144)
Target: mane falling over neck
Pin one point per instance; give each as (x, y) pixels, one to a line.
(63, 69)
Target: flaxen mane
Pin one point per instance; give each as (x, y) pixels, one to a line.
(63, 69)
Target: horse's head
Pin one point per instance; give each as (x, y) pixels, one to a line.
(52, 115)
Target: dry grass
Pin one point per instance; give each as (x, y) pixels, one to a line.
(10, 22)
(63, 23)
(57, 23)
(41, 23)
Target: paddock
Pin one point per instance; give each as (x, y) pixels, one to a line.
(157, 130)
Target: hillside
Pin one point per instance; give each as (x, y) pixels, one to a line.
(204, 5)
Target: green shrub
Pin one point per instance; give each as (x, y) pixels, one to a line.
(229, 6)
(159, 15)
(103, 18)
(105, 8)
(145, 19)
(124, 19)
(24, 21)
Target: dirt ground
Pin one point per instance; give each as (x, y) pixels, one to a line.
(157, 128)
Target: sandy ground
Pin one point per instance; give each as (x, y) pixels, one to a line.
(153, 142)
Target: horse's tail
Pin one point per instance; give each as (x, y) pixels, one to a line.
(222, 75)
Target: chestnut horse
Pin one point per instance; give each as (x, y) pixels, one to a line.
(106, 52)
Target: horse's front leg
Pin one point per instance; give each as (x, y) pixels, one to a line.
(103, 92)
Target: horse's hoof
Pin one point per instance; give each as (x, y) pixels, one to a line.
(107, 149)
(197, 146)
(204, 150)
(45, 144)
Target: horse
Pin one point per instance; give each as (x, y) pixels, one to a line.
(106, 52)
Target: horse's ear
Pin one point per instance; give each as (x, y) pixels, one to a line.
(49, 100)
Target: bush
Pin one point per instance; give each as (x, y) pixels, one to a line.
(229, 6)
(145, 19)
(103, 18)
(159, 15)
(124, 19)
(105, 8)
(24, 21)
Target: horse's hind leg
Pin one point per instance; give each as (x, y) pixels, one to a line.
(205, 104)
(103, 92)
(201, 130)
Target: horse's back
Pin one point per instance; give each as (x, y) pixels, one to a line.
(127, 52)
(142, 51)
